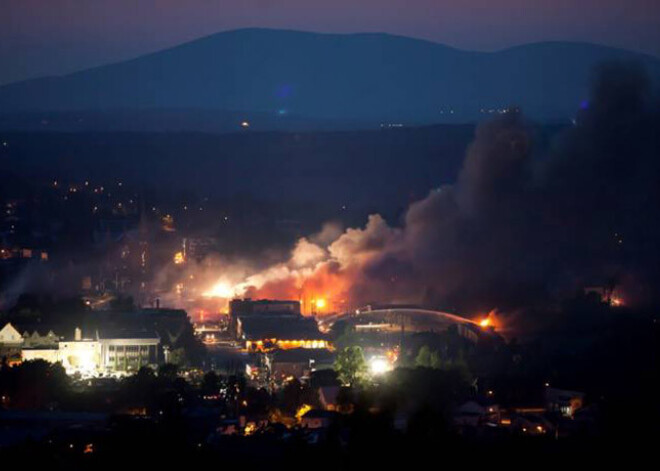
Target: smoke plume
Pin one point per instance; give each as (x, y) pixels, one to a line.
(518, 227)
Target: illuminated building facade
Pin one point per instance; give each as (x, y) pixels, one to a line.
(80, 356)
(99, 354)
(297, 363)
(127, 353)
(263, 314)
(11, 343)
(10, 337)
(269, 332)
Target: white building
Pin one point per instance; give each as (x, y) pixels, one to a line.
(98, 354)
(10, 337)
(11, 342)
(124, 352)
(51, 355)
(81, 355)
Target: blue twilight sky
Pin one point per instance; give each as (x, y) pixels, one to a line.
(44, 37)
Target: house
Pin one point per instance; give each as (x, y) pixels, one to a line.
(328, 397)
(531, 424)
(316, 419)
(10, 337)
(229, 427)
(297, 362)
(38, 340)
(474, 414)
(11, 343)
(470, 414)
(563, 401)
(42, 345)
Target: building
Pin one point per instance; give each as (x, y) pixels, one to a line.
(474, 414)
(266, 324)
(10, 337)
(36, 339)
(79, 355)
(198, 248)
(11, 343)
(102, 353)
(51, 355)
(319, 419)
(263, 308)
(266, 333)
(243, 307)
(329, 397)
(563, 401)
(128, 351)
(297, 363)
(211, 333)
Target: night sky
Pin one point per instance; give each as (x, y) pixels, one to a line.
(42, 37)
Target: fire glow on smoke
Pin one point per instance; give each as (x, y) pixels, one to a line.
(511, 231)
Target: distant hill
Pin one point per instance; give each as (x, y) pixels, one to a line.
(283, 79)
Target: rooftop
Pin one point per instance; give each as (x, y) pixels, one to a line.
(281, 328)
(296, 355)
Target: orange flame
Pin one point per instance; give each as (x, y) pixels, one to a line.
(489, 321)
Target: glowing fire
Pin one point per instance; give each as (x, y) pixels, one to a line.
(616, 301)
(321, 275)
(222, 289)
(490, 321)
(278, 283)
(302, 410)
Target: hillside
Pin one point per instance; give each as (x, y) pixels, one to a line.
(334, 80)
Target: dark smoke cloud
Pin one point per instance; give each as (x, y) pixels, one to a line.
(461, 246)
(519, 227)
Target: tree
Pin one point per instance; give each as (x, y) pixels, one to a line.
(168, 371)
(177, 356)
(427, 358)
(347, 338)
(140, 389)
(423, 357)
(351, 366)
(210, 384)
(34, 384)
